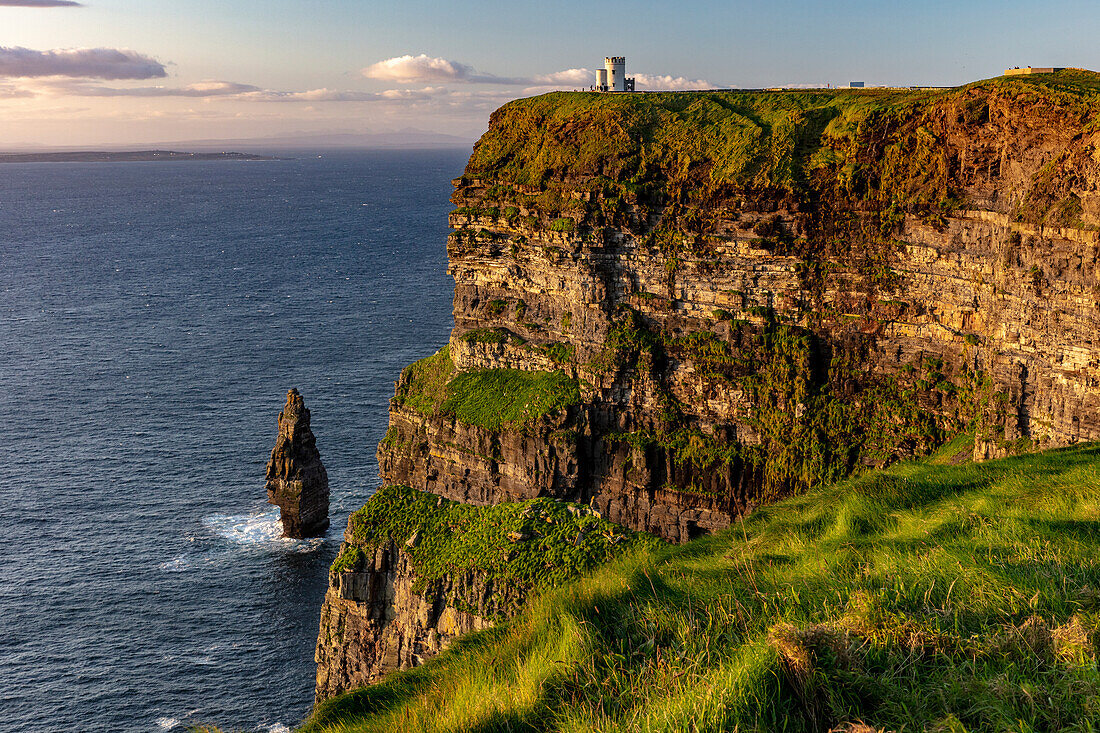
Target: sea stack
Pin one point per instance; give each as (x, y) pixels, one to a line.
(296, 479)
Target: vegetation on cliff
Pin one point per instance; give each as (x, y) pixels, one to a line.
(534, 544)
(488, 398)
(922, 597)
(818, 415)
(842, 356)
(891, 149)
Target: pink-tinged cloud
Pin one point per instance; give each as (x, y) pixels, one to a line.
(199, 89)
(39, 4)
(432, 70)
(219, 89)
(79, 63)
(9, 92)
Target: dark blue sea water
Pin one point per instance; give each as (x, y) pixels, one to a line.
(152, 317)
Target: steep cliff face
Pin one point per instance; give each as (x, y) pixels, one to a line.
(296, 479)
(672, 308)
(416, 570)
(757, 292)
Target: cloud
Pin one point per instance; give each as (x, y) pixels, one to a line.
(85, 63)
(572, 77)
(653, 83)
(39, 4)
(8, 91)
(432, 69)
(217, 89)
(199, 89)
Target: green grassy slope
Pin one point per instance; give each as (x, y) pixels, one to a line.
(490, 398)
(924, 597)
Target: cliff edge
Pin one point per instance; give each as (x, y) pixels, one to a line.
(416, 570)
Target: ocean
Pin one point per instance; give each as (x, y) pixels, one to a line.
(152, 318)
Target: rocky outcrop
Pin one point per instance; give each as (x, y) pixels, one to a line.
(416, 570)
(296, 479)
(719, 299)
(376, 620)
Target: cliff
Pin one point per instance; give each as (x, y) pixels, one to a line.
(727, 297)
(296, 479)
(415, 571)
(675, 308)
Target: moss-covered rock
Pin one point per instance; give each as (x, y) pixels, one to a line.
(531, 544)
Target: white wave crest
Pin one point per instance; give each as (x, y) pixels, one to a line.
(167, 723)
(247, 529)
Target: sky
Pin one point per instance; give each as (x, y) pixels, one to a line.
(138, 72)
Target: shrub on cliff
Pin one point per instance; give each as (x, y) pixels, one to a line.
(530, 544)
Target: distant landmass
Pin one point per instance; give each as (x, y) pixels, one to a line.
(125, 156)
(405, 139)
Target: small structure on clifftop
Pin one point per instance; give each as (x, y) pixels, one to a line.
(296, 478)
(612, 77)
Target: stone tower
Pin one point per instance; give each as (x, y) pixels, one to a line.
(612, 77)
(616, 73)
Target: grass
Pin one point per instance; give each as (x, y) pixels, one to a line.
(922, 597)
(494, 399)
(524, 545)
(423, 384)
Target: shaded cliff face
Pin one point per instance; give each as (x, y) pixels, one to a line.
(296, 479)
(758, 292)
(416, 570)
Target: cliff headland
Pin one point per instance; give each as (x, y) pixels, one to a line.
(674, 309)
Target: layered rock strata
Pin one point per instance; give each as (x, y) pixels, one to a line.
(758, 292)
(374, 622)
(296, 479)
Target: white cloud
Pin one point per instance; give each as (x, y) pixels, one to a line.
(80, 63)
(429, 69)
(570, 77)
(433, 69)
(332, 95)
(653, 83)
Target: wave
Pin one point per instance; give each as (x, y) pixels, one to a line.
(247, 529)
(229, 534)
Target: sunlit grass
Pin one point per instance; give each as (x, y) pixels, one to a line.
(923, 597)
